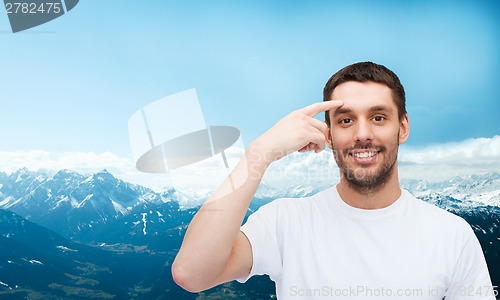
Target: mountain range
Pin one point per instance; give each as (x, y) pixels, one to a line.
(476, 189)
(71, 236)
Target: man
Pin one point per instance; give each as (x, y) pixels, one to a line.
(364, 238)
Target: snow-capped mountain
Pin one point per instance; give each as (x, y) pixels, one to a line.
(69, 202)
(481, 189)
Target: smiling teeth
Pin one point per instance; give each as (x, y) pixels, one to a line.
(364, 154)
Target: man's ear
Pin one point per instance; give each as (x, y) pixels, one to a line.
(404, 129)
(328, 137)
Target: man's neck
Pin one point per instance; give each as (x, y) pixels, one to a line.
(379, 198)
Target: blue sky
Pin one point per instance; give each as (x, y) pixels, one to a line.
(73, 83)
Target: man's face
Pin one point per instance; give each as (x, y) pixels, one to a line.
(365, 133)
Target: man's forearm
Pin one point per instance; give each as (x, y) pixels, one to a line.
(212, 232)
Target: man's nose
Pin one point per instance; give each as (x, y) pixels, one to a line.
(363, 131)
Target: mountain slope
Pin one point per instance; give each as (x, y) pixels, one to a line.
(36, 260)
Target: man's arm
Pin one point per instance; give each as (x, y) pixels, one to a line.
(214, 249)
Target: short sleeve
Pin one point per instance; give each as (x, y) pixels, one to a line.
(261, 229)
(471, 279)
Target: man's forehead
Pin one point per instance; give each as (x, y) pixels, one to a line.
(361, 88)
(364, 96)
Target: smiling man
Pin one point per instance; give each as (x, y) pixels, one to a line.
(364, 238)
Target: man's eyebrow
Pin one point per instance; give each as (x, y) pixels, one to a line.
(376, 108)
(381, 108)
(341, 110)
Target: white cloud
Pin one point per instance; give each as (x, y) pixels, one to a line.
(478, 151)
(442, 161)
(82, 161)
(432, 163)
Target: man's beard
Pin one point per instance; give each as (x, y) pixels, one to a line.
(362, 179)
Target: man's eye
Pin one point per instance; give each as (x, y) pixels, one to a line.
(378, 118)
(345, 121)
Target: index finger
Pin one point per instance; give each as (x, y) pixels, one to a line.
(316, 108)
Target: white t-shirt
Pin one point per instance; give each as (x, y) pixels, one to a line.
(320, 247)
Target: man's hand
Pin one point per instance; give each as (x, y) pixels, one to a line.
(298, 131)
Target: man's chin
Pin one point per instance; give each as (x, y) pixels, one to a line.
(366, 180)
(365, 174)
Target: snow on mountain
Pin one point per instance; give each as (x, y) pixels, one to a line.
(68, 202)
(19, 182)
(159, 227)
(184, 200)
(482, 189)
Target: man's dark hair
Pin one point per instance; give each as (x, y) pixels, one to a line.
(364, 72)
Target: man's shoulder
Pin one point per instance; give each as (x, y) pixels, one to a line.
(437, 216)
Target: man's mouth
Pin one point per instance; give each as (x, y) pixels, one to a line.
(364, 154)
